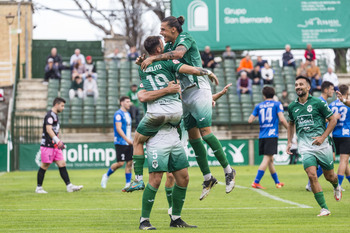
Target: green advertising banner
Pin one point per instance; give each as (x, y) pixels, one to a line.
(268, 24)
(102, 155)
(281, 158)
(3, 157)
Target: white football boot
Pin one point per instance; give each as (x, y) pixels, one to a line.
(73, 188)
(104, 181)
(324, 212)
(40, 190)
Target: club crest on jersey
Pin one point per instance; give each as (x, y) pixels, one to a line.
(118, 117)
(309, 108)
(50, 120)
(176, 61)
(154, 164)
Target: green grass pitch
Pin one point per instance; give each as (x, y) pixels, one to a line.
(109, 210)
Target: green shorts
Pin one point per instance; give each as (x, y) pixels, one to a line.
(151, 123)
(165, 152)
(197, 107)
(322, 157)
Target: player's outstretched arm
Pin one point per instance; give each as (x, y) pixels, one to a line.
(199, 71)
(146, 96)
(290, 135)
(342, 99)
(222, 92)
(178, 53)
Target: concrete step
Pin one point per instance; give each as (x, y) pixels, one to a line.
(31, 113)
(23, 94)
(27, 105)
(33, 86)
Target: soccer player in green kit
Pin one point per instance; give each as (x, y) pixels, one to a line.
(308, 114)
(196, 100)
(164, 109)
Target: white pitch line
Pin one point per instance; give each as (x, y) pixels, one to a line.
(138, 209)
(2, 173)
(265, 194)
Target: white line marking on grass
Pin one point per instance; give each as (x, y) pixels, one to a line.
(265, 194)
(2, 173)
(138, 209)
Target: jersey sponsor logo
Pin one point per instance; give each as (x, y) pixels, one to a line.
(118, 117)
(297, 110)
(202, 119)
(272, 132)
(176, 61)
(305, 120)
(50, 120)
(345, 132)
(154, 164)
(309, 108)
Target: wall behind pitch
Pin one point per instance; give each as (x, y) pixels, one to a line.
(268, 24)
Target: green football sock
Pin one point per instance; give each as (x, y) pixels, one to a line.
(320, 200)
(169, 195)
(201, 155)
(147, 200)
(335, 184)
(179, 194)
(216, 146)
(138, 164)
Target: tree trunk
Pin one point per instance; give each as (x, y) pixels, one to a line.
(340, 60)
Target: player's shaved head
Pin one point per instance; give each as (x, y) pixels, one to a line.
(344, 89)
(151, 44)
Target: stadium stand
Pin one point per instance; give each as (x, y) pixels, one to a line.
(114, 80)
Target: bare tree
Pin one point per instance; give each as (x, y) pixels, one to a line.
(129, 19)
(340, 60)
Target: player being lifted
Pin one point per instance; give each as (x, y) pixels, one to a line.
(51, 148)
(196, 100)
(308, 115)
(270, 112)
(341, 132)
(164, 109)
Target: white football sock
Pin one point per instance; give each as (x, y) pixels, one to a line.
(174, 217)
(138, 177)
(143, 219)
(228, 169)
(207, 176)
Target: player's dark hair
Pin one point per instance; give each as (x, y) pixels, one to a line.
(305, 78)
(133, 85)
(151, 44)
(175, 22)
(268, 92)
(58, 100)
(325, 85)
(123, 98)
(344, 89)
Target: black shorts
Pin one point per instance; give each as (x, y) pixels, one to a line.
(268, 146)
(342, 145)
(124, 153)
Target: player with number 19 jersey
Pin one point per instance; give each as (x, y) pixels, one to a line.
(268, 118)
(166, 109)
